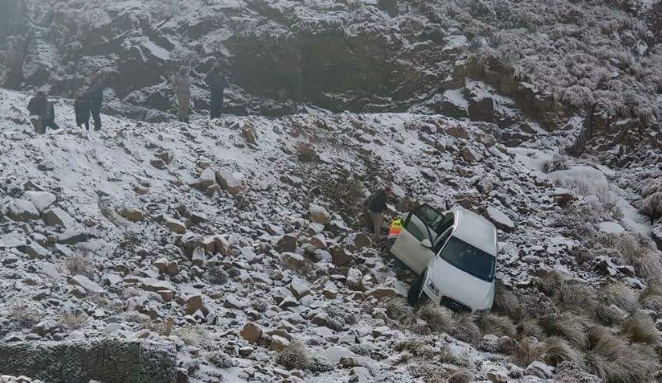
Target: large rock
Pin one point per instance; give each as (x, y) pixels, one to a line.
(106, 360)
(342, 257)
(229, 181)
(87, 284)
(318, 214)
(207, 179)
(59, 217)
(251, 332)
(22, 210)
(499, 219)
(40, 199)
(176, 226)
(287, 244)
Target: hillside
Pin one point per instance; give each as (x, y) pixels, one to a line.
(234, 238)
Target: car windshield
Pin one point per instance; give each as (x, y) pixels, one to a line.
(469, 259)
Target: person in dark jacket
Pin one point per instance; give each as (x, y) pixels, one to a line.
(376, 207)
(82, 109)
(216, 81)
(42, 113)
(95, 95)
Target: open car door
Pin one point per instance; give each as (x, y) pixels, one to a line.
(414, 245)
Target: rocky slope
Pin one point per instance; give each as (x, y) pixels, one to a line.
(239, 242)
(597, 58)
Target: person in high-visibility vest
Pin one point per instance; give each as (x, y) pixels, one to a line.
(376, 207)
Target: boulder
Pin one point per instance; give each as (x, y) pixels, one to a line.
(72, 237)
(87, 284)
(318, 214)
(131, 214)
(354, 277)
(287, 244)
(222, 246)
(22, 210)
(229, 181)
(293, 261)
(342, 257)
(541, 370)
(499, 219)
(469, 155)
(251, 332)
(299, 288)
(40, 199)
(176, 226)
(206, 179)
(357, 241)
(249, 134)
(59, 217)
(194, 304)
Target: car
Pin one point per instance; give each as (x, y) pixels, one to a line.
(455, 255)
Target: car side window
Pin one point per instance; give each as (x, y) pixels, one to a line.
(441, 240)
(416, 227)
(447, 223)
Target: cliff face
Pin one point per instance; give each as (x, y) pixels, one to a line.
(539, 64)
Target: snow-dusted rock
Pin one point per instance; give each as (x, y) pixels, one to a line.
(22, 210)
(40, 199)
(499, 219)
(59, 217)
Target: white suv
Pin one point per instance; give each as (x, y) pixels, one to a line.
(454, 254)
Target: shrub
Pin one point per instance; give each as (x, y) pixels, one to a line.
(398, 309)
(294, 356)
(613, 360)
(567, 326)
(418, 348)
(525, 352)
(620, 295)
(220, 359)
(79, 264)
(466, 329)
(574, 297)
(557, 350)
(497, 325)
(24, 314)
(507, 303)
(640, 328)
(461, 376)
(439, 319)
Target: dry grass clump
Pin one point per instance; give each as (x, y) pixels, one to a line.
(608, 315)
(529, 327)
(638, 253)
(195, 336)
(466, 329)
(524, 352)
(24, 315)
(615, 361)
(498, 325)
(398, 309)
(71, 320)
(567, 326)
(507, 303)
(652, 205)
(416, 347)
(294, 356)
(640, 328)
(621, 296)
(651, 297)
(439, 319)
(558, 350)
(461, 376)
(79, 264)
(572, 296)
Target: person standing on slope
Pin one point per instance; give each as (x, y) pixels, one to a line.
(95, 95)
(82, 110)
(182, 88)
(376, 205)
(42, 113)
(216, 81)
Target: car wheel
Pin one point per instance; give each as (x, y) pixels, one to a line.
(415, 294)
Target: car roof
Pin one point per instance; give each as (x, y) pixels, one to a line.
(475, 230)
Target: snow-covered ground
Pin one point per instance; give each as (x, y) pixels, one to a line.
(154, 230)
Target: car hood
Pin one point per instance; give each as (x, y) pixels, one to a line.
(460, 286)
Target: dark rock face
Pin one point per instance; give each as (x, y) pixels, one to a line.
(109, 361)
